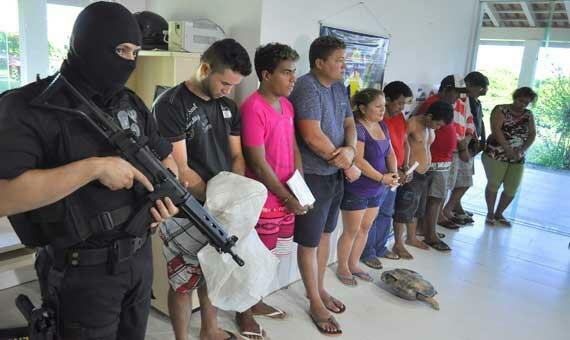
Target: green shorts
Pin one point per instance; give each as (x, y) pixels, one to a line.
(505, 173)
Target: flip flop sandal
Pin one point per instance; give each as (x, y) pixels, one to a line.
(490, 221)
(439, 235)
(323, 330)
(341, 308)
(504, 221)
(347, 280)
(232, 336)
(364, 276)
(277, 315)
(391, 255)
(374, 263)
(251, 335)
(448, 225)
(439, 246)
(465, 218)
(465, 212)
(458, 221)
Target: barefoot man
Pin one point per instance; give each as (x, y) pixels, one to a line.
(411, 197)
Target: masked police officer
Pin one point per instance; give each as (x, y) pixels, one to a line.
(65, 189)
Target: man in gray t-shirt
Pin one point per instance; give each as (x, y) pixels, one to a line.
(328, 105)
(327, 141)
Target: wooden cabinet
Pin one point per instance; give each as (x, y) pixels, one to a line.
(161, 68)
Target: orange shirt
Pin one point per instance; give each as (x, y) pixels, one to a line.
(397, 128)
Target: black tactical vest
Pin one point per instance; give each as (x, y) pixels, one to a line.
(73, 219)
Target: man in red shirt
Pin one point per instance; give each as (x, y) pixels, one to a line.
(397, 94)
(442, 154)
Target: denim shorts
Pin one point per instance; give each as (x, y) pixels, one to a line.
(411, 199)
(323, 218)
(351, 201)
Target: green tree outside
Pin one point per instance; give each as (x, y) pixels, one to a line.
(9, 49)
(552, 116)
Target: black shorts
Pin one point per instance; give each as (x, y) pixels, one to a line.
(328, 191)
(95, 304)
(411, 199)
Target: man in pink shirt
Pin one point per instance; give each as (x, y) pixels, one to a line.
(272, 156)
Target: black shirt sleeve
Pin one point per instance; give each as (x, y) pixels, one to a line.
(235, 128)
(20, 137)
(170, 119)
(161, 147)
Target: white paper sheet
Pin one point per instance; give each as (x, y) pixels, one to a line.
(300, 189)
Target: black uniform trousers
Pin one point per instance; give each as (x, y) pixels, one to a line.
(96, 303)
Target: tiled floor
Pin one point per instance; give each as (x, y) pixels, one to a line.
(498, 283)
(541, 200)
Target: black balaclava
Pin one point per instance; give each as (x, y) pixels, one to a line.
(98, 30)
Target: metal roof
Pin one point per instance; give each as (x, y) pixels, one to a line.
(526, 14)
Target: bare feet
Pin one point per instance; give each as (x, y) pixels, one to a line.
(248, 327)
(263, 309)
(417, 243)
(401, 251)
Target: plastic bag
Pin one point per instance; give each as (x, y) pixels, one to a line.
(236, 202)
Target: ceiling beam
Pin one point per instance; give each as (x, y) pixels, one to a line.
(523, 33)
(528, 13)
(492, 13)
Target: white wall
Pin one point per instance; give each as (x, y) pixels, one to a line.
(430, 39)
(133, 5)
(240, 19)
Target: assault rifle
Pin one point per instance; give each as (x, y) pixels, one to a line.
(141, 157)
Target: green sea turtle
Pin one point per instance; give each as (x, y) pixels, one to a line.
(409, 285)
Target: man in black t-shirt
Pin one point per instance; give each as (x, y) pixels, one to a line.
(65, 187)
(204, 129)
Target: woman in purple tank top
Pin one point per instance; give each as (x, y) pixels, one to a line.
(377, 161)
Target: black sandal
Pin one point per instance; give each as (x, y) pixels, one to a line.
(323, 330)
(374, 263)
(232, 336)
(335, 302)
(449, 225)
(438, 245)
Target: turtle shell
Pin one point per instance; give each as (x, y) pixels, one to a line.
(407, 284)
